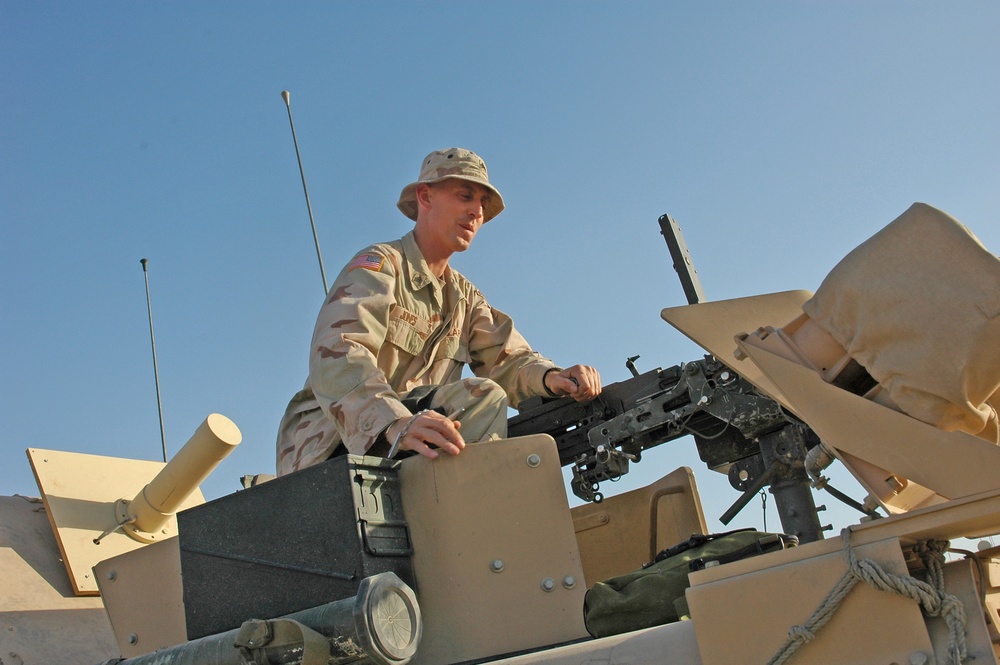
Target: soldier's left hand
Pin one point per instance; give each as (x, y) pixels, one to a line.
(581, 382)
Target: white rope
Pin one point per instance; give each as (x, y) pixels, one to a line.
(932, 598)
(951, 608)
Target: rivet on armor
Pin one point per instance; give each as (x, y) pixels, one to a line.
(548, 584)
(569, 582)
(496, 565)
(534, 460)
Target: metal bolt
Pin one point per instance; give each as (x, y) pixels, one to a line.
(496, 565)
(548, 584)
(112, 575)
(133, 639)
(569, 582)
(704, 401)
(918, 658)
(534, 460)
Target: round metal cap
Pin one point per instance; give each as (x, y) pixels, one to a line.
(394, 623)
(393, 618)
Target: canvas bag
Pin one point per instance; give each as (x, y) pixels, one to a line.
(918, 306)
(651, 595)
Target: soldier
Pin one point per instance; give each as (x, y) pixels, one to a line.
(399, 325)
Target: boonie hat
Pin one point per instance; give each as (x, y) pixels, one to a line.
(451, 163)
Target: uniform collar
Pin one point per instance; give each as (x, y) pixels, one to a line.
(418, 273)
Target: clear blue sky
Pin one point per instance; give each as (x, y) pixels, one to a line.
(779, 134)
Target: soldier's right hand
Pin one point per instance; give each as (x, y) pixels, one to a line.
(426, 433)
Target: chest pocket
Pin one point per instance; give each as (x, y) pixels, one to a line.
(407, 331)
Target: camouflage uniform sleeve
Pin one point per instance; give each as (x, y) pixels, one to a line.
(500, 353)
(343, 364)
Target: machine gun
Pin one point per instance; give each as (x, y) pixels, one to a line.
(738, 430)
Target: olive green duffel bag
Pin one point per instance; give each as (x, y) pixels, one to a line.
(654, 594)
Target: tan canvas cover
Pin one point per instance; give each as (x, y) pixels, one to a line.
(918, 305)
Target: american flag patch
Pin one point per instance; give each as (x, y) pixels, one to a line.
(367, 261)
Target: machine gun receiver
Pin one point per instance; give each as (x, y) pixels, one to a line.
(703, 398)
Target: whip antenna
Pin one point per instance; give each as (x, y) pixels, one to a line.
(152, 342)
(322, 271)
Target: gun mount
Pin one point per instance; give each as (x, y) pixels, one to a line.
(738, 430)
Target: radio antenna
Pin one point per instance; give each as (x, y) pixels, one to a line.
(152, 342)
(322, 271)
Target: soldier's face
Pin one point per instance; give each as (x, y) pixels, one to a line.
(454, 212)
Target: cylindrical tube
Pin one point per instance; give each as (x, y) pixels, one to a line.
(159, 500)
(383, 620)
(380, 625)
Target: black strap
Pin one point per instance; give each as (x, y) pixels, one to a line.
(763, 544)
(696, 540)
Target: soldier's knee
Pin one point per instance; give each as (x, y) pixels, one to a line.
(487, 391)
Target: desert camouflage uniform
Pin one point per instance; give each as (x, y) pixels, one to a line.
(380, 336)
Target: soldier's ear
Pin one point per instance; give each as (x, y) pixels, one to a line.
(423, 194)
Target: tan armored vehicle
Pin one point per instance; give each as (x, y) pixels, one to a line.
(891, 369)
